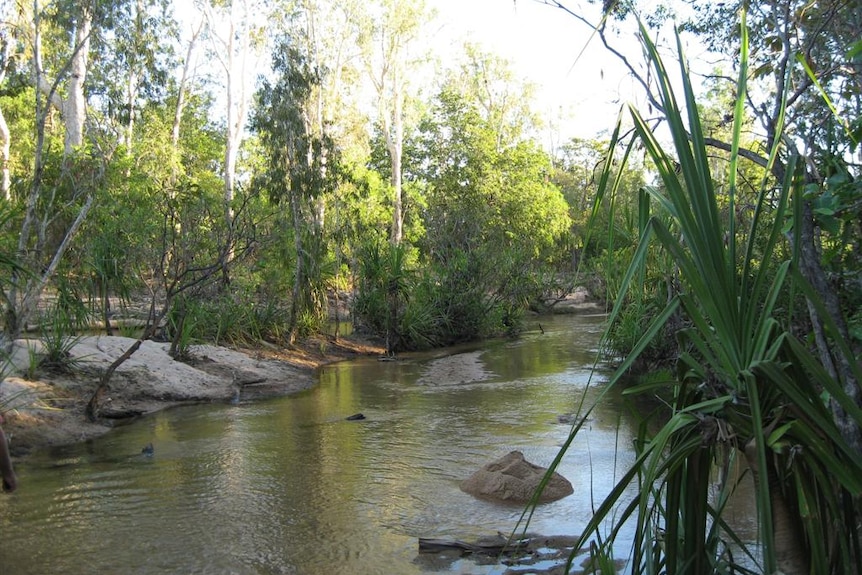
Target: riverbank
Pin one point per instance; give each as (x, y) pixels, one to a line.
(45, 408)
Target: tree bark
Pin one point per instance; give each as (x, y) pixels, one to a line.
(5, 143)
(181, 101)
(395, 143)
(237, 105)
(5, 135)
(834, 361)
(75, 106)
(299, 272)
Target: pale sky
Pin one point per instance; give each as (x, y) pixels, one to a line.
(579, 81)
(545, 46)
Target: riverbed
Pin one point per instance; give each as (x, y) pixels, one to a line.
(289, 485)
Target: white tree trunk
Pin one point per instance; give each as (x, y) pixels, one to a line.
(319, 124)
(181, 90)
(234, 59)
(26, 286)
(131, 96)
(75, 106)
(5, 142)
(230, 150)
(5, 135)
(395, 31)
(396, 148)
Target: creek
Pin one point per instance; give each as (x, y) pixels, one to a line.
(288, 485)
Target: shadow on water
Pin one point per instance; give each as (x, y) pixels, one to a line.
(290, 486)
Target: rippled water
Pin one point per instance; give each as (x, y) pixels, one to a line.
(289, 486)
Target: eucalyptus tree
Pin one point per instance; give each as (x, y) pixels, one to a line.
(183, 85)
(73, 22)
(503, 100)
(134, 56)
(5, 134)
(294, 172)
(390, 39)
(477, 153)
(334, 43)
(481, 193)
(60, 189)
(236, 30)
(492, 218)
(329, 38)
(122, 52)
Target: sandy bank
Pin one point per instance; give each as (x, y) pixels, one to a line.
(44, 409)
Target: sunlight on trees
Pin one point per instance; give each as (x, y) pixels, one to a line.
(246, 171)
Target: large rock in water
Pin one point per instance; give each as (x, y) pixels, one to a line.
(513, 478)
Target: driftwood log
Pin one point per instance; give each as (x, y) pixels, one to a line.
(490, 546)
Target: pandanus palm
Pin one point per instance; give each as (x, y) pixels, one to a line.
(746, 389)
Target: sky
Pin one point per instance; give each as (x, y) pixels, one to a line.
(581, 85)
(578, 82)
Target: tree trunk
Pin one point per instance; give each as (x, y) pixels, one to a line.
(319, 123)
(181, 89)
(396, 146)
(299, 272)
(106, 308)
(25, 289)
(836, 363)
(5, 135)
(788, 543)
(5, 143)
(131, 96)
(36, 286)
(75, 107)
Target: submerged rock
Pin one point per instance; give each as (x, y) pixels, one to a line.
(512, 478)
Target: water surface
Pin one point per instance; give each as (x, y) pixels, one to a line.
(289, 486)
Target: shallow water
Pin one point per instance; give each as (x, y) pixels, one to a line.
(289, 486)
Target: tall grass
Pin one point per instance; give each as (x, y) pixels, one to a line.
(748, 393)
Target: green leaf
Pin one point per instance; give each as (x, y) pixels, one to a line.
(778, 433)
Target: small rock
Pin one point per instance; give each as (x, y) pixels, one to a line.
(355, 417)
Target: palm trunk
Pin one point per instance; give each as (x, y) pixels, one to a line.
(788, 543)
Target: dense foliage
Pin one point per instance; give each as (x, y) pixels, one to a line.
(157, 192)
(737, 297)
(303, 168)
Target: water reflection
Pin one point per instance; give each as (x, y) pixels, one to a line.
(290, 486)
